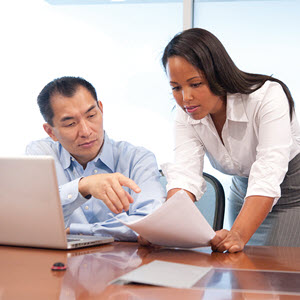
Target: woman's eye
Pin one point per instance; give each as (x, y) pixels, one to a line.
(175, 88)
(196, 84)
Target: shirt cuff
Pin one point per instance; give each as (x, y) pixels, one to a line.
(76, 228)
(182, 178)
(69, 191)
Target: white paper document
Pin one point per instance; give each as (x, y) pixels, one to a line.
(177, 223)
(164, 273)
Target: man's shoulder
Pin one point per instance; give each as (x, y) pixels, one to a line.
(45, 146)
(126, 149)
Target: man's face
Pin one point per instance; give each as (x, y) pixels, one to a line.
(77, 124)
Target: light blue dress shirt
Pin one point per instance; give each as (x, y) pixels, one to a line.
(92, 216)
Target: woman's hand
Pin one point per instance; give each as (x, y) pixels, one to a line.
(174, 191)
(143, 242)
(252, 214)
(225, 240)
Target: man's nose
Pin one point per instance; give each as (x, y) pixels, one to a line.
(84, 129)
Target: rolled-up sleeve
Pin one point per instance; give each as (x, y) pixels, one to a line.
(187, 169)
(273, 150)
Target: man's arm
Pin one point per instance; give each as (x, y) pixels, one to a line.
(144, 172)
(74, 193)
(70, 197)
(108, 188)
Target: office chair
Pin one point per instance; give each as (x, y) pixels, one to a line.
(212, 203)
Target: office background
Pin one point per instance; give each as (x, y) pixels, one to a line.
(117, 45)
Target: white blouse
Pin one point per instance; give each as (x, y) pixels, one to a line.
(259, 141)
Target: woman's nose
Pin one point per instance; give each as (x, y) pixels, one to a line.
(187, 95)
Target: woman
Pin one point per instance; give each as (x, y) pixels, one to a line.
(246, 125)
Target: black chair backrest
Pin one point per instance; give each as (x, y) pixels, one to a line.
(212, 203)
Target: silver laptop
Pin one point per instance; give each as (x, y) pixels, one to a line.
(30, 208)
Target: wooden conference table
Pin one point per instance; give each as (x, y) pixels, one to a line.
(255, 273)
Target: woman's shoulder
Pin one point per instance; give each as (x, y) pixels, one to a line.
(266, 91)
(269, 96)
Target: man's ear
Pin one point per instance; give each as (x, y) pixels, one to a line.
(100, 105)
(49, 130)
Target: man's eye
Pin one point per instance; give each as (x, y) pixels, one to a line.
(91, 116)
(71, 124)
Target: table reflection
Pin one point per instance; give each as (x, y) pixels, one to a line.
(26, 273)
(89, 274)
(244, 273)
(256, 273)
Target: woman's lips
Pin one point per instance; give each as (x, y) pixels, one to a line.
(191, 109)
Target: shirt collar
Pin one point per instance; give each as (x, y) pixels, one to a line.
(235, 108)
(65, 157)
(105, 155)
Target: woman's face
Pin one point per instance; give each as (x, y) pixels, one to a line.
(191, 90)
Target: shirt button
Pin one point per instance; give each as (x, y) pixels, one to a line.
(86, 207)
(72, 158)
(69, 196)
(95, 171)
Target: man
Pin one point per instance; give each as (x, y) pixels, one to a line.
(96, 175)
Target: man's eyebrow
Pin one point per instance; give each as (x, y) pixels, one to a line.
(68, 118)
(91, 108)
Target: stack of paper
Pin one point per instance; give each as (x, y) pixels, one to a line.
(164, 273)
(177, 223)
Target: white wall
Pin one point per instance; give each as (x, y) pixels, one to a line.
(115, 47)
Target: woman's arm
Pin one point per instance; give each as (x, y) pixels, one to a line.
(186, 170)
(252, 214)
(174, 191)
(267, 172)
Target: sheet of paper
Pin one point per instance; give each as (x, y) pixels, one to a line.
(177, 223)
(164, 273)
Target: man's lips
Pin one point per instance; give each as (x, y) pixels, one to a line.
(191, 109)
(87, 144)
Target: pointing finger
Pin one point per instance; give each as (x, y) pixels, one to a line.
(129, 183)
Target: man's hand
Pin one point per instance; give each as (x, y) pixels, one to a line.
(108, 188)
(225, 240)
